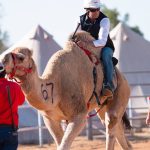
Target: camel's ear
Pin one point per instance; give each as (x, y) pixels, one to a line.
(30, 52)
(27, 51)
(20, 56)
(23, 50)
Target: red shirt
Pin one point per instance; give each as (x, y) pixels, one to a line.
(17, 98)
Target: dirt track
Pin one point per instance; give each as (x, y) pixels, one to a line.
(81, 143)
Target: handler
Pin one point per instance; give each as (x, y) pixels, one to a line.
(11, 97)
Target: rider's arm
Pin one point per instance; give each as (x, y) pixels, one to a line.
(103, 33)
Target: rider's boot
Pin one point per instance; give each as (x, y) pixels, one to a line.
(107, 95)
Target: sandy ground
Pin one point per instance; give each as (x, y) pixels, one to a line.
(81, 143)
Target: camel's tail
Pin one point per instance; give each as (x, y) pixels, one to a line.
(126, 121)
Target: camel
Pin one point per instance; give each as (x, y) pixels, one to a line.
(64, 89)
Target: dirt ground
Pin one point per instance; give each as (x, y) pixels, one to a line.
(81, 143)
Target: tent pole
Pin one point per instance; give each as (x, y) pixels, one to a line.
(130, 111)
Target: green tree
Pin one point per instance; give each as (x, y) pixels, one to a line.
(135, 28)
(113, 15)
(3, 41)
(3, 37)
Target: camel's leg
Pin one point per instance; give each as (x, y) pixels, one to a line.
(73, 129)
(110, 134)
(55, 129)
(121, 138)
(101, 114)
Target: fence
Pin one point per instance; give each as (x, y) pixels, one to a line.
(93, 124)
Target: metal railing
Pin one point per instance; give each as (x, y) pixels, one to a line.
(90, 126)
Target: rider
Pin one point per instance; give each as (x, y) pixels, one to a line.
(98, 25)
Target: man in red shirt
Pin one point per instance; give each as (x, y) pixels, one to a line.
(11, 97)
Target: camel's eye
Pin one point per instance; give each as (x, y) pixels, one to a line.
(20, 57)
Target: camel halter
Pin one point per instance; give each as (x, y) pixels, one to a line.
(21, 68)
(89, 54)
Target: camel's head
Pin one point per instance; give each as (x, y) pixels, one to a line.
(18, 62)
(81, 36)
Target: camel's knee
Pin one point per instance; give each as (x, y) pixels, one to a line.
(110, 119)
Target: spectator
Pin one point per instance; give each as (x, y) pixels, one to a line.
(148, 117)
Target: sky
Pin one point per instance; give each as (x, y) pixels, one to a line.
(19, 17)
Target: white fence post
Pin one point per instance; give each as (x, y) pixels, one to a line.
(40, 130)
(89, 129)
(130, 111)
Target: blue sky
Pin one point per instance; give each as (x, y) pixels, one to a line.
(59, 17)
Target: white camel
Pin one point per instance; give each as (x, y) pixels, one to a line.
(64, 89)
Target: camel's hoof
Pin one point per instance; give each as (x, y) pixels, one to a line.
(112, 122)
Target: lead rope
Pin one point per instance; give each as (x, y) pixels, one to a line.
(10, 104)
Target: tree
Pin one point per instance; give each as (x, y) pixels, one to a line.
(113, 15)
(3, 38)
(135, 28)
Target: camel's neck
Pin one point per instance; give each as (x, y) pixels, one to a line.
(34, 89)
(31, 82)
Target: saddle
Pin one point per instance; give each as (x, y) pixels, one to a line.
(115, 61)
(100, 94)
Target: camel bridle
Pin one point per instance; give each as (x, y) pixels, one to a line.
(89, 55)
(20, 68)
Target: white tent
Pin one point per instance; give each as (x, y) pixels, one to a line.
(43, 46)
(133, 52)
(132, 49)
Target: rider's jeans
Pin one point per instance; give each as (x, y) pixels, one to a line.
(106, 57)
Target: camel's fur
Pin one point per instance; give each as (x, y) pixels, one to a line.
(70, 71)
